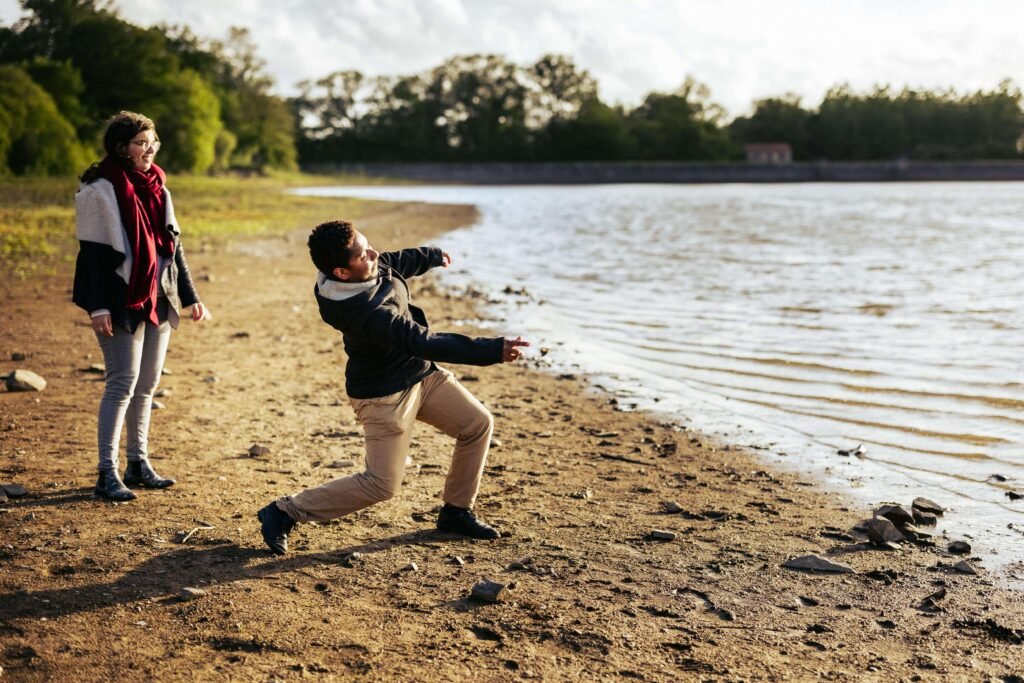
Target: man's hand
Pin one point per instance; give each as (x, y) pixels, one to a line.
(446, 259)
(511, 350)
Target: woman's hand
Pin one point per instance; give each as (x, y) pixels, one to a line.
(200, 312)
(102, 325)
(511, 351)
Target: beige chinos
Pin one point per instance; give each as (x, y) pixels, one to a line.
(438, 400)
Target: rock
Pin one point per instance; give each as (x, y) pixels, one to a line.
(1013, 495)
(163, 393)
(925, 505)
(350, 559)
(411, 567)
(157, 405)
(997, 477)
(96, 369)
(14, 490)
(859, 451)
(187, 594)
(924, 518)
(915, 533)
(662, 535)
(457, 560)
(211, 379)
(897, 514)
(965, 567)
(17, 356)
(522, 563)
(3, 496)
(495, 443)
(25, 380)
(257, 450)
(584, 494)
(671, 507)
(487, 591)
(242, 334)
(959, 548)
(880, 530)
(342, 464)
(815, 563)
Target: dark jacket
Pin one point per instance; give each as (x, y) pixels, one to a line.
(98, 286)
(388, 343)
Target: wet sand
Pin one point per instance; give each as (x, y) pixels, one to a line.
(93, 591)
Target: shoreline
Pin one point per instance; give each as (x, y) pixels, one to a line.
(579, 484)
(598, 172)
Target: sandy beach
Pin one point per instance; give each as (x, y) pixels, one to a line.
(92, 591)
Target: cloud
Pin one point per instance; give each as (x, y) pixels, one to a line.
(742, 49)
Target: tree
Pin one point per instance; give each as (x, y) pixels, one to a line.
(34, 138)
(776, 119)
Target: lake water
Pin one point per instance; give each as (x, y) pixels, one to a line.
(797, 319)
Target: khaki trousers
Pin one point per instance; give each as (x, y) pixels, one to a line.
(440, 401)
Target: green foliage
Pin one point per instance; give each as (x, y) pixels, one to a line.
(34, 138)
(94, 64)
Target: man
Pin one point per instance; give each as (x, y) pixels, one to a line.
(392, 381)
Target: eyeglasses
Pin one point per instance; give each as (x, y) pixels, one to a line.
(147, 145)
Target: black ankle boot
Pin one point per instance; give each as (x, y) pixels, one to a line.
(141, 472)
(462, 521)
(109, 485)
(275, 525)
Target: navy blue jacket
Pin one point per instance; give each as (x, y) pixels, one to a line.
(389, 345)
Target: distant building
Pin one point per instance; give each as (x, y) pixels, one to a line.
(769, 153)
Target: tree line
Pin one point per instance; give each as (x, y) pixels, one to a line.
(69, 64)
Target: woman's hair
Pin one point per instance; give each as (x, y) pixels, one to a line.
(329, 245)
(121, 128)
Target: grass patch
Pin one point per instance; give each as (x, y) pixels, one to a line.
(37, 215)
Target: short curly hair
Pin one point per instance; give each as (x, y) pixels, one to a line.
(330, 245)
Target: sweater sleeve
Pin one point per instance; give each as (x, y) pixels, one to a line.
(87, 292)
(386, 329)
(186, 287)
(412, 262)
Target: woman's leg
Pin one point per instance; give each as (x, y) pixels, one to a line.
(154, 351)
(122, 354)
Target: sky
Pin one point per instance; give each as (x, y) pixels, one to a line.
(742, 50)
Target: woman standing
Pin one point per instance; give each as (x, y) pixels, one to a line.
(132, 279)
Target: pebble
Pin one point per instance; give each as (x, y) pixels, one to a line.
(671, 507)
(457, 560)
(17, 356)
(880, 530)
(859, 451)
(897, 514)
(816, 563)
(924, 518)
(188, 593)
(24, 380)
(157, 405)
(14, 490)
(258, 449)
(487, 591)
(96, 368)
(585, 494)
(959, 548)
(926, 505)
(663, 535)
(164, 393)
(342, 464)
(965, 567)
(411, 567)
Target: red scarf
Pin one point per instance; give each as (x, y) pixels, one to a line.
(140, 197)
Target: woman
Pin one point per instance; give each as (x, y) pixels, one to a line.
(132, 279)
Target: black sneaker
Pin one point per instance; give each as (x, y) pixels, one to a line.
(276, 526)
(462, 521)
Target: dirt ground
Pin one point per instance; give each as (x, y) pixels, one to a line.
(92, 591)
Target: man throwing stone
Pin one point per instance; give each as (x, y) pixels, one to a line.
(392, 381)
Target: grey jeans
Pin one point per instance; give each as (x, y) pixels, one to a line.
(134, 363)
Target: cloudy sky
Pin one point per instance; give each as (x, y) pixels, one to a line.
(741, 49)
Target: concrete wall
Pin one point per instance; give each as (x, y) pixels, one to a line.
(672, 172)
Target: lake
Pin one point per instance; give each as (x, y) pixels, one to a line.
(797, 319)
